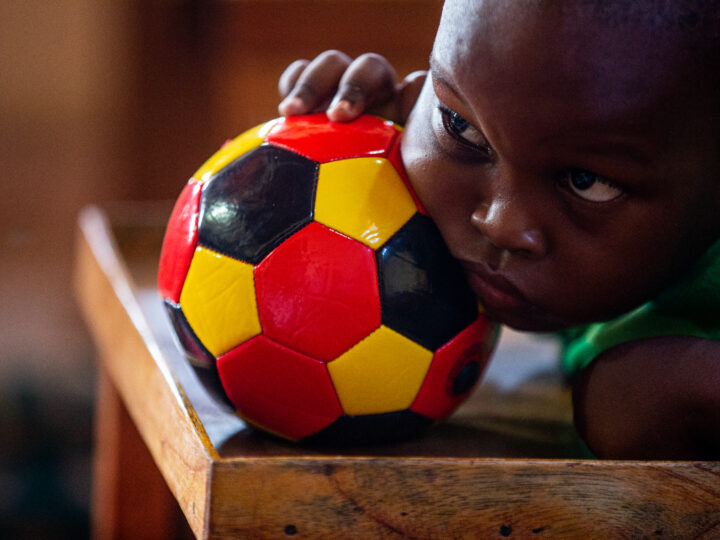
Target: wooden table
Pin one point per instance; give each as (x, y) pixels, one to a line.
(507, 464)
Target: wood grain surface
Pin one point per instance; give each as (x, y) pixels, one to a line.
(507, 464)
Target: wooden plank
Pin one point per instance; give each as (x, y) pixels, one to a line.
(238, 483)
(153, 401)
(130, 496)
(464, 498)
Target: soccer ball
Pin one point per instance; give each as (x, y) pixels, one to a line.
(311, 291)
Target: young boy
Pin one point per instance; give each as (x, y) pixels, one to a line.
(569, 152)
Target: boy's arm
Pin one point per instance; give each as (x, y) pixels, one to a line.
(345, 88)
(655, 398)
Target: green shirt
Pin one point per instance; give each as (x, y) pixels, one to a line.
(691, 307)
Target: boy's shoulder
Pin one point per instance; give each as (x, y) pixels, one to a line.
(690, 307)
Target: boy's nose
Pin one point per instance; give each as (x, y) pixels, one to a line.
(508, 226)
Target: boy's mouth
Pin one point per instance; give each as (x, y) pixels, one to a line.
(496, 292)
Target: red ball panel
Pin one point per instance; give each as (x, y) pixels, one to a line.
(318, 292)
(280, 389)
(454, 371)
(395, 158)
(179, 243)
(314, 137)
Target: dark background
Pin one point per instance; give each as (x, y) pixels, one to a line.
(116, 100)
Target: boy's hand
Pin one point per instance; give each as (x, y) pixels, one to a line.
(346, 88)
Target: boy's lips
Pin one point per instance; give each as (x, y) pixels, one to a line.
(497, 293)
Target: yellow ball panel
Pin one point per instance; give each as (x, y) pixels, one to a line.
(218, 300)
(364, 198)
(244, 142)
(382, 373)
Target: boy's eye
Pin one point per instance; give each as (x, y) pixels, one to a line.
(461, 129)
(590, 186)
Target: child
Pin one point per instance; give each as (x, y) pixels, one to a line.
(568, 150)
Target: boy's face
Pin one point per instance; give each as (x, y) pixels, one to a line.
(570, 163)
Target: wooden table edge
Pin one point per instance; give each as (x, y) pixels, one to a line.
(197, 475)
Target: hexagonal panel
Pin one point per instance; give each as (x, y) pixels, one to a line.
(423, 290)
(363, 198)
(279, 389)
(179, 242)
(256, 202)
(455, 370)
(316, 138)
(218, 301)
(382, 373)
(318, 292)
(233, 149)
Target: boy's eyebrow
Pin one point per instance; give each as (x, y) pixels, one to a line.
(438, 74)
(619, 150)
(437, 71)
(433, 64)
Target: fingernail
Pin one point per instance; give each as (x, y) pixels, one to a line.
(291, 105)
(342, 106)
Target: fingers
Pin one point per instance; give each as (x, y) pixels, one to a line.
(368, 80)
(346, 88)
(314, 84)
(290, 76)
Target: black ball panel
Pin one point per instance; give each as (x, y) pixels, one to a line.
(210, 379)
(366, 429)
(423, 290)
(256, 202)
(195, 350)
(465, 378)
(200, 359)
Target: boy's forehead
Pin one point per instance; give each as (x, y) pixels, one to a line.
(682, 25)
(700, 17)
(588, 48)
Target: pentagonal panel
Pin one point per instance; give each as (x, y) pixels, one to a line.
(394, 156)
(371, 429)
(363, 198)
(279, 389)
(233, 149)
(424, 294)
(179, 242)
(256, 202)
(382, 373)
(318, 292)
(455, 370)
(218, 301)
(316, 138)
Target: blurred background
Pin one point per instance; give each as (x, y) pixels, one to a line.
(113, 100)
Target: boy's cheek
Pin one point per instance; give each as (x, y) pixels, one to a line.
(434, 176)
(417, 147)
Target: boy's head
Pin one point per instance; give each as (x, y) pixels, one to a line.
(568, 151)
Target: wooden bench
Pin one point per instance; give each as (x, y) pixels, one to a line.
(507, 464)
